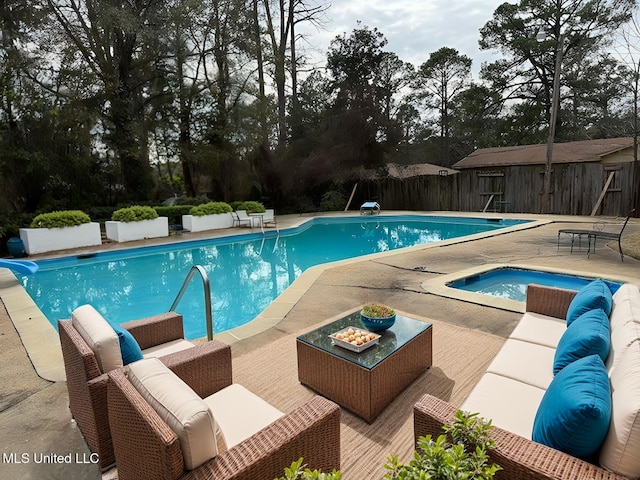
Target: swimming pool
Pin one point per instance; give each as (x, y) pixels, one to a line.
(511, 283)
(246, 272)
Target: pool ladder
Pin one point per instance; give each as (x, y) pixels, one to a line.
(207, 296)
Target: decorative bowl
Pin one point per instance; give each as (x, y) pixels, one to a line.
(377, 324)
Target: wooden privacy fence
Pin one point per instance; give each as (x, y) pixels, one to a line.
(577, 188)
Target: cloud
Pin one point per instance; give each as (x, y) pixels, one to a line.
(414, 28)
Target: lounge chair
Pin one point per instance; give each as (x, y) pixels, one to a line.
(369, 208)
(163, 429)
(87, 362)
(240, 218)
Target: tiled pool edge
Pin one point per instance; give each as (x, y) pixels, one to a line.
(42, 343)
(438, 286)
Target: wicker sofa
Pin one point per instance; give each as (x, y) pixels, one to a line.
(515, 384)
(162, 432)
(86, 372)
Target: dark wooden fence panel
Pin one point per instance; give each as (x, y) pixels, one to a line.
(576, 189)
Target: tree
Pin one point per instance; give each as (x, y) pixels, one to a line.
(526, 72)
(445, 74)
(118, 41)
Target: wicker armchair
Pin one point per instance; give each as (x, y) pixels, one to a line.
(521, 459)
(147, 448)
(87, 384)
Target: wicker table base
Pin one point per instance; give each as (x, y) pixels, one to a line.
(359, 389)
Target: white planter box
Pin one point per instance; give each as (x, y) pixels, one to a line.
(128, 231)
(41, 240)
(195, 223)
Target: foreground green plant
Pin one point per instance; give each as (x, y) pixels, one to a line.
(135, 213)
(465, 458)
(65, 218)
(297, 472)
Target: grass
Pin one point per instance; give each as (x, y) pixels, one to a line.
(630, 245)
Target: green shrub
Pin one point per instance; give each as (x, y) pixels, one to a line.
(173, 213)
(251, 207)
(64, 218)
(332, 201)
(210, 208)
(297, 472)
(465, 458)
(134, 214)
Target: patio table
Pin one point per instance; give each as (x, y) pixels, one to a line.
(366, 382)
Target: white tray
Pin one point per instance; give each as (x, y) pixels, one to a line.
(349, 345)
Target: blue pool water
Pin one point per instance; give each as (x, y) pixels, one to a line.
(246, 272)
(511, 283)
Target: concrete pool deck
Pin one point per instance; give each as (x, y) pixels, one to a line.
(35, 417)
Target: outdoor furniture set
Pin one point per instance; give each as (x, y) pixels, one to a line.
(152, 417)
(576, 387)
(564, 401)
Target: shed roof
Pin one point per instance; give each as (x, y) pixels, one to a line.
(570, 152)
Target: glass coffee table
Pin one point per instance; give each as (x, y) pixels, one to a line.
(365, 382)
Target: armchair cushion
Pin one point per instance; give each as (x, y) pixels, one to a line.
(99, 335)
(587, 335)
(241, 413)
(129, 348)
(575, 411)
(594, 295)
(181, 408)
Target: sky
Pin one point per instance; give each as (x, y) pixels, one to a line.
(413, 28)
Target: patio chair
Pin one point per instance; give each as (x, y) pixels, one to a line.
(87, 362)
(269, 218)
(163, 430)
(595, 234)
(240, 218)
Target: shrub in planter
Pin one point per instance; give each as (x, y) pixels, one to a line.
(135, 213)
(251, 207)
(208, 216)
(65, 218)
(60, 230)
(136, 223)
(210, 208)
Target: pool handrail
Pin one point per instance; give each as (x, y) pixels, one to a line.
(207, 296)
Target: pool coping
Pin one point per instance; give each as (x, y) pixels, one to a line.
(42, 343)
(438, 286)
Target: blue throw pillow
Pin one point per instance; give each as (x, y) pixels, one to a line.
(589, 334)
(594, 295)
(575, 411)
(129, 348)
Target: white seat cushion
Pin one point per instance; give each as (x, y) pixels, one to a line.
(525, 362)
(241, 413)
(626, 306)
(166, 348)
(510, 404)
(619, 452)
(181, 408)
(99, 335)
(541, 329)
